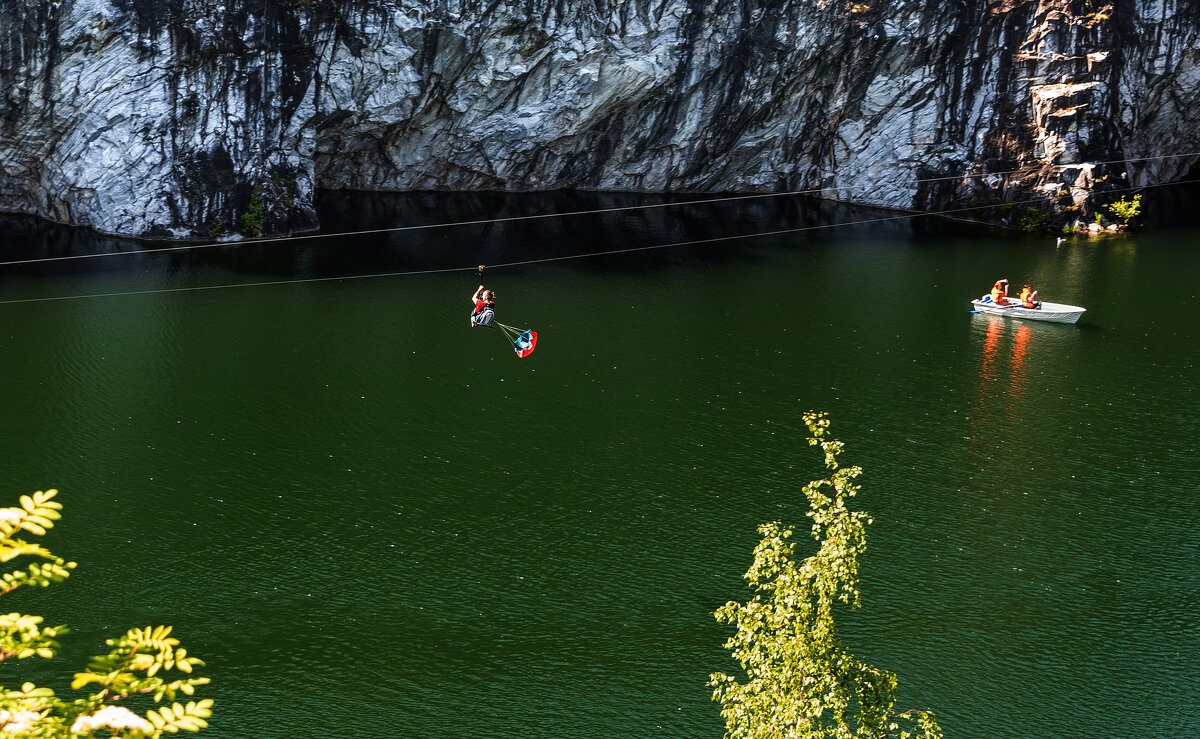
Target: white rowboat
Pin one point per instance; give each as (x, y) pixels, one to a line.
(1056, 312)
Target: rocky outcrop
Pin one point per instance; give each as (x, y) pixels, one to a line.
(202, 118)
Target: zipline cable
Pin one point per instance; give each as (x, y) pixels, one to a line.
(694, 242)
(598, 211)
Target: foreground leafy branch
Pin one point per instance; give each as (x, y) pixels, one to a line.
(801, 682)
(138, 663)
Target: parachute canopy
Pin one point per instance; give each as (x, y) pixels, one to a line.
(525, 344)
(524, 340)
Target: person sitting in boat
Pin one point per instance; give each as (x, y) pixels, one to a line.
(1000, 292)
(1029, 298)
(485, 307)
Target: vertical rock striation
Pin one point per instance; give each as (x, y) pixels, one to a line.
(196, 118)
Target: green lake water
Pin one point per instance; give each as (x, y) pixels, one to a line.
(372, 520)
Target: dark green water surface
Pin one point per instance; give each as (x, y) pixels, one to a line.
(372, 520)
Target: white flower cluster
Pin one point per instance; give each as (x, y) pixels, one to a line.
(21, 722)
(114, 718)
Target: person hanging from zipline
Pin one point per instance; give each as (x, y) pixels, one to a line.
(524, 340)
(484, 301)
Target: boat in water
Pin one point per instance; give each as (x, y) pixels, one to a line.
(1056, 312)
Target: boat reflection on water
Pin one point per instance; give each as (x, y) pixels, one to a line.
(991, 352)
(1002, 372)
(1017, 378)
(1001, 411)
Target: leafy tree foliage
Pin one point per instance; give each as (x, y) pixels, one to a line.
(1125, 210)
(801, 682)
(138, 663)
(255, 215)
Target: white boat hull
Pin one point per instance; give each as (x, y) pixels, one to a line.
(1056, 312)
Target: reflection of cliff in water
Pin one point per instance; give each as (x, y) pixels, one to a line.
(543, 226)
(495, 228)
(1173, 206)
(27, 237)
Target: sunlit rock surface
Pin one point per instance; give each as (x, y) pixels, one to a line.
(199, 119)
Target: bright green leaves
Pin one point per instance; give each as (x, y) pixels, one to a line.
(137, 663)
(27, 712)
(24, 636)
(801, 682)
(35, 515)
(146, 661)
(1125, 210)
(175, 717)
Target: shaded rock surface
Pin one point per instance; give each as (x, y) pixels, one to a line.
(202, 118)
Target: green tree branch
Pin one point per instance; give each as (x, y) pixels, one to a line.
(800, 680)
(136, 663)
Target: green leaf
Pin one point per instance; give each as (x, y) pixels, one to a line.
(33, 528)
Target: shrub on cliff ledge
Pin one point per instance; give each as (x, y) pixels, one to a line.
(1033, 219)
(1126, 210)
(136, 665)
(256, 213)
(800, 680)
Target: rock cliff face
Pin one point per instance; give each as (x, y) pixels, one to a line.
(197, 118)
